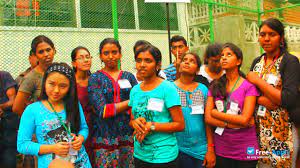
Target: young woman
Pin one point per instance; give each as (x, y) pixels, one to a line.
(138, 44)
(195, 143)
(156, 114)
(57, 120)
(30, 89)
(9, 121)
(109, 93)
(212, 68)
(230, 107)
(81, 62)
(276, 74)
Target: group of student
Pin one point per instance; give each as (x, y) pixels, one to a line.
(187, 115)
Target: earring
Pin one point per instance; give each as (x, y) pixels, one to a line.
(281, 44)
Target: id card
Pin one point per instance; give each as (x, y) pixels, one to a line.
(233, 112)
(124, 84)
(219, 131)
(155, 104)
(199, 109)
(272, 79)
(219, 105)
(261, 111)
(234, 106)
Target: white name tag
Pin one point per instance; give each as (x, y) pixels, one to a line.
(219, 131)
(234, 106)
(124, 84)
(155, 104)
(272, 79)
(261, 111)
(198, 109)
(219, 105)
(233, 112)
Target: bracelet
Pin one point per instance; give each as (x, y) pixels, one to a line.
(210, 145)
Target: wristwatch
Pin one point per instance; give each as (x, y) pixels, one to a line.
(152, 127)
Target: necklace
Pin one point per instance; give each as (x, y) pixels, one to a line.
(60, 119)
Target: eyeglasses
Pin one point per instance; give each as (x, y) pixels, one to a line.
(88, 57)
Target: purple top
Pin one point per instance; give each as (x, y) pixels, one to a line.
(238, 144)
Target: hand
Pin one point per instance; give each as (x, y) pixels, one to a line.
(253, 77)
(61, 149)
(264, 101)
(77, 142)
(214, 112)
(209, 159)
(139, 135)
(139, 125)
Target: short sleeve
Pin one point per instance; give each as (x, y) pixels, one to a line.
(27, 85)
(7, 81)
(171, 95)
(251, 90)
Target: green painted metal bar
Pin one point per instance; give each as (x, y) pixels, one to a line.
(225, 5)
(115, 18)
(211, 23)
(115, 23)
(259, 13)
(278, 9)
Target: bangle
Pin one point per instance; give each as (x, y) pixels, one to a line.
(210, 145)
(225, 124)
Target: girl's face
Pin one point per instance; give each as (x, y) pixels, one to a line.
(229, 59)
(269, 39)
(189, 64)
(45, 53)
(146, 65)
(83, 60)
(57, 86)
(110, 55)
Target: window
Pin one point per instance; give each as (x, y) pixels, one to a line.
(152, 16)
(98, 14)
(44, 13)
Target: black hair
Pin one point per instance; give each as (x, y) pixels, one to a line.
(177, 38)
(154, 51)
(74, 53)
(277, 26)
(39, 39)
(196, 56)
(212, 50)
(109, 41)
(140, 43)
(31, 53)
(70, 100)
(218, 86)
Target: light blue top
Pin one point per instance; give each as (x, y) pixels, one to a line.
(192, 141)
(157, 147)
(37, 119)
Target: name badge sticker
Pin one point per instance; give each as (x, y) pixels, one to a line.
(124, 84)
(155, 104)
(219, 105)
(272, 79)
(199, 109)
(261, 111)
(219, 131)
(234, 106)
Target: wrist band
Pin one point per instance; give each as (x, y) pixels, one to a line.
(211, 145)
